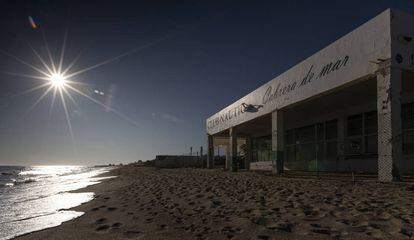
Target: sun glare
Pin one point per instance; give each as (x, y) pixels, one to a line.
(57, 80)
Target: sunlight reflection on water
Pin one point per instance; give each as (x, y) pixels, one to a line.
(43, 201)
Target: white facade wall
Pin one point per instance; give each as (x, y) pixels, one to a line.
(353, 57)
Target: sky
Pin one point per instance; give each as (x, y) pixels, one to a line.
(181, 62)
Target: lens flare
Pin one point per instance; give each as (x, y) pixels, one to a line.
(60, 80)
(57, 80)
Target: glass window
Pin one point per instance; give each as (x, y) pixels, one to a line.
(289, 137)
(305, 156)
(362, 134)
(370, 121)
(332, 129)
(371, 144)
(354, 145)
(262, 148)
(305, 134)
(407, 115)
(320, 132)
(355, 125)
(308, 148)
(320, 156)
(255, 157)
(408, 142)
(320, 151)
(261, 156)
(305, 152)
(290, 153)
(331, 151)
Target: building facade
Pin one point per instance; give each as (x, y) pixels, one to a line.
(348, 107)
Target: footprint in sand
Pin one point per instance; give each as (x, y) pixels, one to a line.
(102, 228)
(116, 225)
(162, 226)
(100, 220)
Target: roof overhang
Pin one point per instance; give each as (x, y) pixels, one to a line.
(351, 58)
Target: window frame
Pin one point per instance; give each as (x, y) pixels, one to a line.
(361, 137)
(324, 140)
(405, 130)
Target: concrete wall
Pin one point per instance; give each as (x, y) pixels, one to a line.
(261, 166)
(173, 161)
(348, 59)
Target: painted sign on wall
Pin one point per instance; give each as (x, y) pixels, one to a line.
(347, 59)
(272, 93)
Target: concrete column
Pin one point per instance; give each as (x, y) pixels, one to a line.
(233, 149)
(277, 141)
(210, 151)
(227, 164)
(249, 153)
(389, 122)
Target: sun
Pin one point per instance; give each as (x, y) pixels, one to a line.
(60, 80)
(57, 80)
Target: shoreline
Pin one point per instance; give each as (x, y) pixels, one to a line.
(91, 188)
(150, 203)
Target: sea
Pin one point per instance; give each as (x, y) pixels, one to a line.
(38, 197)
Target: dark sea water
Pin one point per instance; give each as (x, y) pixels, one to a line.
(35, 198)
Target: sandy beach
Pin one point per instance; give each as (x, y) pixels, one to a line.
(149, 203)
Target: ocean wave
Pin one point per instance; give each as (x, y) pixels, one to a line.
(27, 180)
(32, 199)
(31, 217)
(6, 185)
(41, 196)
(10, 182)
(7, 173)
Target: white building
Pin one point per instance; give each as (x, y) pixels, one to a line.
(348, 107)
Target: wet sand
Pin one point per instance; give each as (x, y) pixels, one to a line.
(148, 203)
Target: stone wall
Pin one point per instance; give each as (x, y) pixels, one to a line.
(175, 161)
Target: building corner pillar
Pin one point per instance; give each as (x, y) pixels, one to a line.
(227, 163)
(277, 141)
(233, 164)
(249, 155)
(210, 151)
(389, 122)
